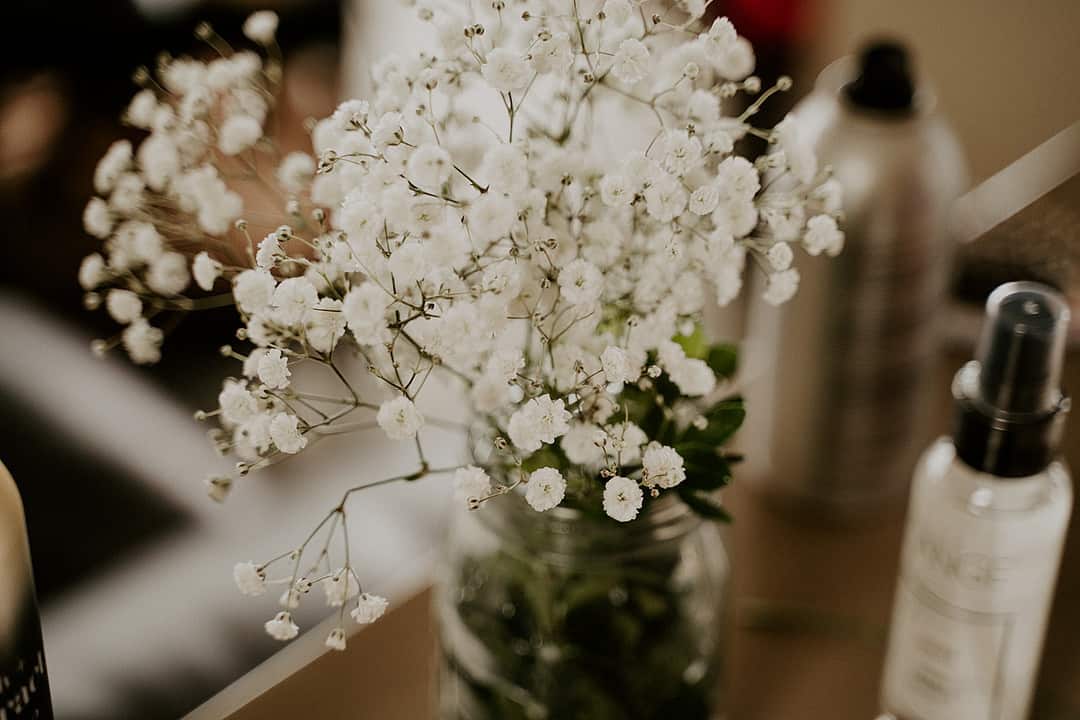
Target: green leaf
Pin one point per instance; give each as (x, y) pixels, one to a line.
(723, 358)
(704, 504)
(694, 345)
(724, 418)
(547, 456)
(705, 470)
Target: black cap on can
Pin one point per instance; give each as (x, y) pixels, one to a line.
(884, 82)
(1009, 399)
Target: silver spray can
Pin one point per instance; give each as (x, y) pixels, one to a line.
(837, 382)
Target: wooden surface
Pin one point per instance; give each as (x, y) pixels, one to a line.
(386, 673)
(813, 601)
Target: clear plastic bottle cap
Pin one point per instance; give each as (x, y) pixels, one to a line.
(1022, 349)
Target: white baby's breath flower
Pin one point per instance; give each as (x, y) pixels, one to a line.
(339, 587)
(293, 298)
(618, 368)
(92, 271)
(399, 418)
(325, 325)
(798, 153)
(545, 489)
(127, 196)
(503, 278)
(290, 598)
(408, 264)
(822, 235)
(538, 421)
(616, 190)
(718, 141)
(237, 404)
(140, 112)
(665, 198)
(159, 159)
(253, 290)
(704, 108)
(721, 35)
(429, 166)
(739, 180)
(736, 61)
(251, 363)
(693, 377)
(703, 200)
(491, 217)
(336, 639)
(829, 194)
(736, 219)
(269, 251)
(694, 8)
(583, 444)
(365, 313)
(218, 487)
(369, 608)
(97, 218)
(147, 245)
(124, 306)
(261, 26)
(471, 483)
(681, 152)
(206, 270)
(782, 287)
(112, 166)
(274, 369)
(169, 274)
(505, 70)
(388, 130)
(238, 133)
(622, 498)
(143, 342)
(581, 283)
(506, 168)
(786, 223)
(296, 171)
(203, 191)
(249, 578)
(631, 62)
(286, 434)
(618, 12)
(552, 53)
(254, 434)
(662, 466)
(780, 256)
(622, 443)
(282, 627)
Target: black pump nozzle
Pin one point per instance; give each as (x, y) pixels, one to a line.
(1022, 348)
(1010, 400)
(884, 82)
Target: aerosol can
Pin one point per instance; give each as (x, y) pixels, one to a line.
(839, 380)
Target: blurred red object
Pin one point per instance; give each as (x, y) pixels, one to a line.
(768, 22)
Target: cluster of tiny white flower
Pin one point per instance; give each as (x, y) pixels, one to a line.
(546, 278)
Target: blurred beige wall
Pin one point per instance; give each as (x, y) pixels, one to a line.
(1007, 72)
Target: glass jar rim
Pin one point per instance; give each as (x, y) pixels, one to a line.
(566, 531)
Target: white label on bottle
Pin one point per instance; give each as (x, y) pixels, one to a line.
(971, 609)
(952, 657)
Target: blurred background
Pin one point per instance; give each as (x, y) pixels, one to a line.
(131, 559)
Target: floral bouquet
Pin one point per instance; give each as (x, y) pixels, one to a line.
(557, 281)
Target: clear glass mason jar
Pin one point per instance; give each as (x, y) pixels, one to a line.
(564, 615)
